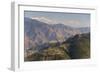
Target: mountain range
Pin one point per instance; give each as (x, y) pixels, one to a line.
(37, 32)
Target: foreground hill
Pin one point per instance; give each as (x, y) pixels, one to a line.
(76, 47)
(79, 46)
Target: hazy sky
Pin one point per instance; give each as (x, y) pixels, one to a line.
(71, 19)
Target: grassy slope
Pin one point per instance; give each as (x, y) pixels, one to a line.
(77, 47)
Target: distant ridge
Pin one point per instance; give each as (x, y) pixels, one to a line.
(38, 32)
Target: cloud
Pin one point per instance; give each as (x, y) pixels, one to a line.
(72, 22)
(69, 22)
(46, 20)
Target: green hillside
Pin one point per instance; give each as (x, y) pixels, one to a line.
(79, 46)
(76, 47)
